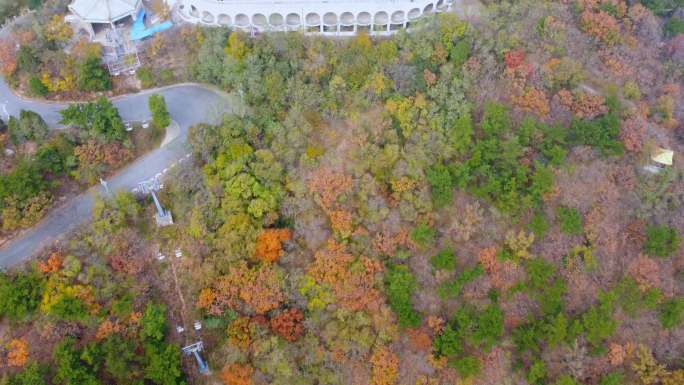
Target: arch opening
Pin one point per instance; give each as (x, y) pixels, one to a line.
(207, 17)
(293, 20)
(241, 20)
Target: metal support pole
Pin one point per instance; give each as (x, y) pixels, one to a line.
(160, 210)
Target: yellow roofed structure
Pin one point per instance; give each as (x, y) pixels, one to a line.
(662, 156)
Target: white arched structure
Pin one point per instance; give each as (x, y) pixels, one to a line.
(339, 17)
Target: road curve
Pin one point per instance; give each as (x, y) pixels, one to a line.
(188, 104)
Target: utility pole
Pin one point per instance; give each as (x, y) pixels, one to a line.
(163, 217)
(195, 350)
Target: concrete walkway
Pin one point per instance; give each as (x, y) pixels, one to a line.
(188, 104)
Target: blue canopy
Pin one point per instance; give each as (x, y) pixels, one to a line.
(138, 30)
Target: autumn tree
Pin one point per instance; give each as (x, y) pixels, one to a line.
(237, 374)
(288, 324)
(18, 352)
(57, 30)
(8, 57)
(259, 288)
(269, 244)
(53, 263)
(351, 279)
(385, 366)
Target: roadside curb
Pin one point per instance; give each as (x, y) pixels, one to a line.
(147, 91)
(171, 132)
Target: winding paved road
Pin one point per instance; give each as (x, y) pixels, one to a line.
(188, 104)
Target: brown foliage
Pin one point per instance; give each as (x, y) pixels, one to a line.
(533, 100)
(600, 25)
(237, 374)
(633, 133)
(341, 222)
(269, 244)
(420, 341)
(327, 185)
(503, 274)
(352, 279)
(53, 263)
(430, 77)
(584, 105)
(385, 243)
(206, 299)
(127, 253)
(288, 324)
(436, 324)
(8, 57)
(112, 154)
(240, 333)
(616, 354)
(258, 287)
(514, 58)
(385, 366)
(18, 352)
(645, 272)
(106, 328)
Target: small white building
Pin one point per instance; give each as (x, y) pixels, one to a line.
(661, 158)
(93, 16)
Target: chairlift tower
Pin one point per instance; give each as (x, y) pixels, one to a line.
(163, 217)
(195, 350)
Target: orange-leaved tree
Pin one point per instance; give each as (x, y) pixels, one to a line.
(269, 244)
(237, 374)
(18, 352)
(258, 288)
(385, 366)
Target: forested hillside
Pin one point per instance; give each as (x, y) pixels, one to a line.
(463, 204)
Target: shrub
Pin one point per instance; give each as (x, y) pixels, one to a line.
(569, 219)
(538, 225)
(612, 378)
(452, 289)
(423, 235)
(632, 299)
(153, 322)
(441, 183)
(467, 366)
(447, 343)
(29, 127)
(661, 7)
(495, 120)
(479, 328)
(20, 294)
(674, 26)
(566, 379)
(100, 119)
(598, 322)
(671, 312)
(661, 241)
(92, 76)
(444, 260)
(32, 374)
(601, 133)
(537, 373)
(400, 285)
(160, 115)
(146, 77)
(36, 87)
